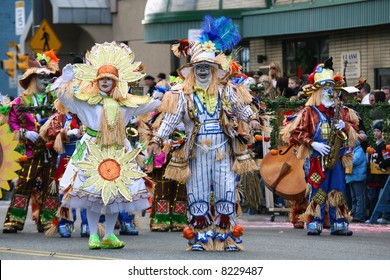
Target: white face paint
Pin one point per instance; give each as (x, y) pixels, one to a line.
(327, 97)
(105, 84)
(203, 73)
(43, 79)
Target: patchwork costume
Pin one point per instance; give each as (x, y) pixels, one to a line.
(28, 113)
(315, 129)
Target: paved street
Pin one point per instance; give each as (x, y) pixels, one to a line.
(263, 239)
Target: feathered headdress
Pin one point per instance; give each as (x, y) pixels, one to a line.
(218, 36)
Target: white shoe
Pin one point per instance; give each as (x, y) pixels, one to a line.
(383, 221)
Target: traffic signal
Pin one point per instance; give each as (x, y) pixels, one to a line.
(9, 64)
(22, 62)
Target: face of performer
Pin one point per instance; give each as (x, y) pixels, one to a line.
(43, 79)
(106, 84)
(327, 97)
(203, 72)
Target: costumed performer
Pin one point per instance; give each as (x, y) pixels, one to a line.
(322, 129)
(212, 113)
(102, 172)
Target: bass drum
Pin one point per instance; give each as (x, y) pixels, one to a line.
(283, 173)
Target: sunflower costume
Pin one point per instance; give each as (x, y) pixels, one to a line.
(102, 172)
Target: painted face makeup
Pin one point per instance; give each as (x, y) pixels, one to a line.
(327, 97)
(105, 85)
(202, 72)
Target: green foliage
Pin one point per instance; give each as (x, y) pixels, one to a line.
(282, 104)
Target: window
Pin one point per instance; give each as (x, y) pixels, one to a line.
(382, 77)
(301, 56)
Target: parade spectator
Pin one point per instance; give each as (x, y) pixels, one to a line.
(294, 84)
(357, 181)
(365, 93)
(278, 81)
(150, 84)
(161, 77)
(386, 90)
(376, 181)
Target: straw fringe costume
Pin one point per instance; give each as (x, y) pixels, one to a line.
(102, 171)
(313, 125)
(28, 112)
(212, 153)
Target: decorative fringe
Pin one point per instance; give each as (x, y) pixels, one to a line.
(220, 155)
(17, 135)
(209, 246)
(169, 102)
(53, 189)
(313, 210)
(45, 127)
(286, 131)
(244, 166)
(166, 148)
(177, 173)
(219, 245)
(243, 126)
(101, 230)
(244, 93)
(303, 152)
(347, 160)
(240, 147)
(112, 135)
(352, 136)
(337, 200)
(67, 90)
(157, 122)
(250, 183)
(58, 145)
(60, 107)
(180, 153)
(51, 230)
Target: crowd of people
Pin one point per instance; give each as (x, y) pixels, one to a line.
(182, 148)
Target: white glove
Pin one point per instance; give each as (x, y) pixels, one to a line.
(157, 95)
(340, 125)
(31, 135)
(322, 148)
(72, 132)
(67, 75)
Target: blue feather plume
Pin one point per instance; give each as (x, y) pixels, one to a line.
(221, 31)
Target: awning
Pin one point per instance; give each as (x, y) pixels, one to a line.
(81, 11)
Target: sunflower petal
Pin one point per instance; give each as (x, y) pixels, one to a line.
(90, 182)
(129, 156)
(133, 174)
(106, 193)
(85, 165)
(114, 189)
(95, 151)
(124, 190)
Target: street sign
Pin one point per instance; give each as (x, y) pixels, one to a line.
(45, 39)
(19, 17)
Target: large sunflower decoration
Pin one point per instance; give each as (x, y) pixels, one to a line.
(8, 158)
(121, 57)
(109, 170)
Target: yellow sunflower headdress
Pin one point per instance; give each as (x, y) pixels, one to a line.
(112, 60)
